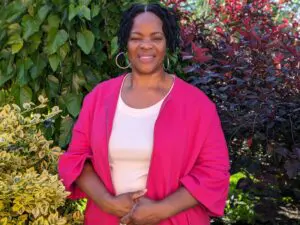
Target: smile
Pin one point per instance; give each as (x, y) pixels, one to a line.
(146, 59)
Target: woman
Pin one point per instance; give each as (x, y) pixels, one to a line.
(147, 148)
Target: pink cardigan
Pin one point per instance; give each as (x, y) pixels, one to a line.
(189, 150)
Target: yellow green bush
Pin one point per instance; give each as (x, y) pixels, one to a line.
(30, 190)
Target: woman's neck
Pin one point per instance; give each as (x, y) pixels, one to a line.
(147, 81)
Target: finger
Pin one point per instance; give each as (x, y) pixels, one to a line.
(126, 219)
(138, 194)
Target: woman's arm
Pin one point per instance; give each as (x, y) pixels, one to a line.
(92, 186)
(177, 202)
(88, 182)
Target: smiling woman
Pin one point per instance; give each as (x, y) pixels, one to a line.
(147, 148)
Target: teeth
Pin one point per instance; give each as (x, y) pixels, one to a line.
(146, 57)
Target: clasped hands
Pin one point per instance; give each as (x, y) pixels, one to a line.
(135, 209)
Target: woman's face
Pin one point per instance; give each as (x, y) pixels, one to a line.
(146, 44)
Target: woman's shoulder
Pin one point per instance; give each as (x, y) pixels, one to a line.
(102, 90)
(106, 87)
(192, 95)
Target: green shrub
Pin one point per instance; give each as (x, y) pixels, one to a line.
(30, 191)
(240, 205)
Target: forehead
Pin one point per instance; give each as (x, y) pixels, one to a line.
(147, 22)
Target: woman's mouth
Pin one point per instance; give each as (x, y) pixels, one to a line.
(146, 59)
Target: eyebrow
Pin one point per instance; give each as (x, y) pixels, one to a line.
(154, 33)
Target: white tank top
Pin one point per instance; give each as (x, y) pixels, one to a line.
(130, 145)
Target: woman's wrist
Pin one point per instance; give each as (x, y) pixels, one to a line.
(164, 209)
(106, 203)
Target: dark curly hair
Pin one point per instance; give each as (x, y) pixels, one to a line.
(169, 19)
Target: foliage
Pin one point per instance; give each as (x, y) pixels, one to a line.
(240, 206)
(247, 60)
(30, 191)
(60, 49)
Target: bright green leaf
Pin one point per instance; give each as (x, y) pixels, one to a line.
(85, 12)
(30, 26)
(55, 40)
(95, 10)
(54, 61)
(15, 48)
(53, 21)
(85, 40)
(65, 131)
(43, 12)
(72, 12)
(73, 103)
(114, 46)
(16, 43)
(14, 28)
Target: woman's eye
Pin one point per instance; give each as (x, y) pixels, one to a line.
(135, 39)
(157, 39)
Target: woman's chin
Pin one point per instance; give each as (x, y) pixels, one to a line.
(146, 69)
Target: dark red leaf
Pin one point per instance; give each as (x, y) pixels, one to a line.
(250, 142)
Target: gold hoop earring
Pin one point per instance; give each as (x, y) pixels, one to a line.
(168, 64)
(118, 65)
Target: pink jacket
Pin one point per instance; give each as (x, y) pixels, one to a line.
(189, 150)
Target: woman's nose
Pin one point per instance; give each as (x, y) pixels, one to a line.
(146, 44)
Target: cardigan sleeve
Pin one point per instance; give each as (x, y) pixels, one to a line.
(71, 163)
(208, 181)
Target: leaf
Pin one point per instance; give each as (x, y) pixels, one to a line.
(34, 42)
(23, 65)
(55, 40)
(85, 40)
(200, 54)
(54, 61)
(30, 26)
(38, 67)
(53, 21)
(16, 43)
(72, 11)
(64, 50)
(14, 28)
(65, 131)
(25, 95)
(85, 12)
(14, 10)
(43, 12)
(78, 80)
(95, 10)
(53, 89)
(84, 2)
(4, 77)
(114, 46)
(73, 103)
